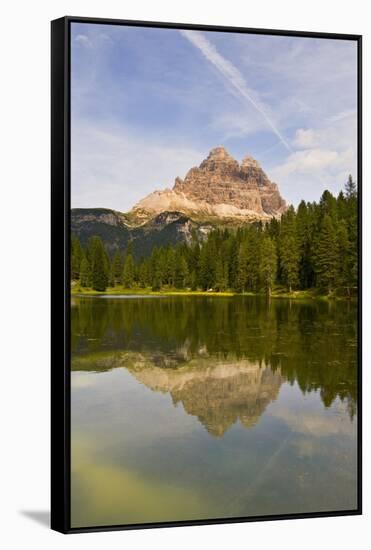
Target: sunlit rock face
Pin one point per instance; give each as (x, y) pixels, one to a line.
(220, 393)
(221, 192)
(220, 187)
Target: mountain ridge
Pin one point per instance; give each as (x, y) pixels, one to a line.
(219, 192)
(220, 187)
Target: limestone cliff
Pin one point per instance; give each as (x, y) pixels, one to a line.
(219, 188)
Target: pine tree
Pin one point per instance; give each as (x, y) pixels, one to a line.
(242, 274)
(143, 273)
(305, 245)
(207, 265)
(181, 272)
(221, 274)
(193, 280)
(85, 272)
(253, 258)
(203, 271)
(99, 268)
(128, 271)
(111, 277)
(232, 260)
(268, 266)
(194, 263)
(171, 266)
(107, 266)
(350, 188)
(158, 268)
(342, 206)
(326, 256)
(76, 257)
(288, 250)
(328, 205)
(344, 278)
(117, 269)
(352, 227)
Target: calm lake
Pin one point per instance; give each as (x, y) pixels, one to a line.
(203, 407)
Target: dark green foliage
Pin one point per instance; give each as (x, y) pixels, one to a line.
(171, 266)
(241, 275)
(99, 264)
(181, 272)
(76, 257)
(116, 269)
(268, 266)
(294, 336)
(289, 250)
(85, 272)
(305, 236)
(88, 222)
(312, 247)
(351, 188)
(253, 257)
(143, 274)
(128, 272)
(326, 259)
(345, 258)
(221, 275)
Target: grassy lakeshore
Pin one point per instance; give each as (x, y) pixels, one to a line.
(279, 292)
(121, 291)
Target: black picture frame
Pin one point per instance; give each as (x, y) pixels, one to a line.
(60, 271)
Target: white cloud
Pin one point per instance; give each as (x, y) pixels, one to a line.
(233, 76)
(273, 90)
(236, 123)
(304, 138)
(305, 174)
(339, 132)
(348, 113)
(314, 422)
(82, 39)
(307, 162)
(325, 157)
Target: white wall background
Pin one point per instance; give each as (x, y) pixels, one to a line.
(24, 271)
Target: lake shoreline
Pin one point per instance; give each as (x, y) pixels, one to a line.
(294, 295)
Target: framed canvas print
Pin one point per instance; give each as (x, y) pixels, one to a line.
(206, 290)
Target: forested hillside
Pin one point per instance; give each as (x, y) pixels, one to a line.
(312, 247)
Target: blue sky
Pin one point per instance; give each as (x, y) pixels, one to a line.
(148, 104)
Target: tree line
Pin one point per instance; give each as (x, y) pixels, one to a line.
(312, 247)
(179, 330)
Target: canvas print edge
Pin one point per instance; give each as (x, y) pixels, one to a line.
(60, 384)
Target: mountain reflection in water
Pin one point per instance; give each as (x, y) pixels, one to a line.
(219, 392)
(205, 407)
(223, 359)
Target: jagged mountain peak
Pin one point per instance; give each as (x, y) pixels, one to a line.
(220, 188)
(219, 152)
(249, 162)
(217, 159)
(220, 191)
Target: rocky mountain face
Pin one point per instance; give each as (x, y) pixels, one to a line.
(220, 187)
(220, 191)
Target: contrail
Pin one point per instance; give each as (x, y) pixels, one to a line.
(232, 75)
